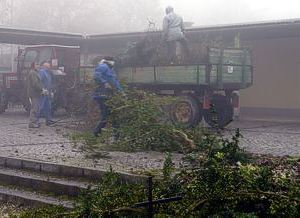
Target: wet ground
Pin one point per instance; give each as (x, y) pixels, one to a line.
(52, 144)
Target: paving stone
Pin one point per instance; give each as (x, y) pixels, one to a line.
(50, 144)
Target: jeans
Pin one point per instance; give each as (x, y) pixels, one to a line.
(45, 107)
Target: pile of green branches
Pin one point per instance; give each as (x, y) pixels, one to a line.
(138, 121)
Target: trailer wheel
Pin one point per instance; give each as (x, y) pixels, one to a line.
(220, 114)
(3, 102)
(186, 111)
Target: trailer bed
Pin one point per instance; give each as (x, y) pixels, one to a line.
(225, 69)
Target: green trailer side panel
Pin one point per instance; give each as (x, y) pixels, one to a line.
(125, 74)
(181, 74)
(232, 74)
(165, 75)
(137, 74)
(231, 56)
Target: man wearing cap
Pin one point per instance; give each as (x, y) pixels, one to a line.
(173, 33)
(106, 81)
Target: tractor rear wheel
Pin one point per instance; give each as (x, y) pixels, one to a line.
(221, 112)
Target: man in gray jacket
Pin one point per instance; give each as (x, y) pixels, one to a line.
(34, 90)
(173, 33)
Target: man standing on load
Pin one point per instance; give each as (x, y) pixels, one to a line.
(173, 33)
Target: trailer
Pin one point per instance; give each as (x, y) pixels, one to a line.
(205, 90)
(207, 86)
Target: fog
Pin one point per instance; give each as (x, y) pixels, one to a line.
(102, 16)
(203, 12)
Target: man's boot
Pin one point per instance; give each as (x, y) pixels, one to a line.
(34, 125)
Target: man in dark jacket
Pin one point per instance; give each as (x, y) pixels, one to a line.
(173, 33)
(34, 90)
(106, 80)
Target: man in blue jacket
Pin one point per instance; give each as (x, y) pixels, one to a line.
(45, 99)
(106, 81)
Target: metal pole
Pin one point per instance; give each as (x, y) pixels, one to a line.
(150, 197)
(12, 46)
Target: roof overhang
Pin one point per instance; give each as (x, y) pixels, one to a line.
(94, 43)
(33, 37)
(248, 32)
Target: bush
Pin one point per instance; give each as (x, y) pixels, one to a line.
(219, 181)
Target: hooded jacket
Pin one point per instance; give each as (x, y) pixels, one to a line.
(103, 74)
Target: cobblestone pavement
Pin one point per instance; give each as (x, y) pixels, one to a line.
(51, 143)
(266, 137)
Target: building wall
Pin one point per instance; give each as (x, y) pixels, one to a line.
(276, 75)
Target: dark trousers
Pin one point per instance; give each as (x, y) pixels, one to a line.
(104, 116)
(177, 45)
(34, 111)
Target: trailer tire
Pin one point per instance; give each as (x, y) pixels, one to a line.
(186, 111)
(220, 114)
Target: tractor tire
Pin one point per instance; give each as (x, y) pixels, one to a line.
(3, 102)
(186, 111)
(220, 114)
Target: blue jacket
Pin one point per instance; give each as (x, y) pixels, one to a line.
(46, 79)
(103, 74)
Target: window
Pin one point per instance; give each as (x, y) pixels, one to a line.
(30, 57)
(60, 55)
(45, 55)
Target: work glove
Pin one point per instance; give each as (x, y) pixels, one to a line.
(51, 95)
(123, 94)
(45, 92)
(107, 86)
